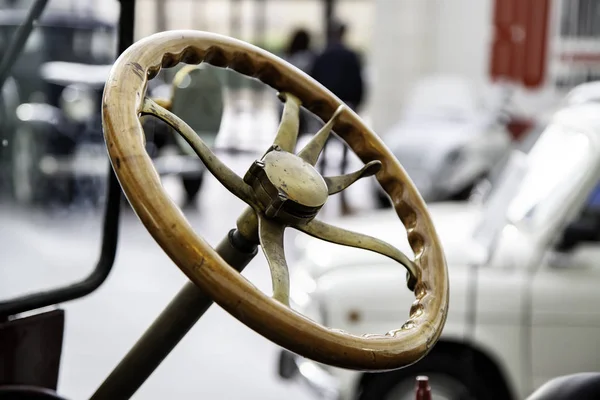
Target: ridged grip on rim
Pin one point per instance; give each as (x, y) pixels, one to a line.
(122, 103)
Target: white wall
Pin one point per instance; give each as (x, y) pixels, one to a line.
(463, 36)
(403, 51)
(415, 38)
(405, 40)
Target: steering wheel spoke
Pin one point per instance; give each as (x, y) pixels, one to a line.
(164, 103)
(287, 133)
(222, 172)
(310, 153)
(270, 234)
(334, 234)
(336, 184)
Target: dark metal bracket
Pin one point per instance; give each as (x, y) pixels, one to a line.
(17, 44)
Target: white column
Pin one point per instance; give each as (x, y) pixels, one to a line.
(107, 9)
(403, 50)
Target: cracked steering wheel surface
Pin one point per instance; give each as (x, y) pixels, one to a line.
(282, 189)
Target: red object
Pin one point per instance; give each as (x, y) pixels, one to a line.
(581, 57)
(520, 41)
(519, 127)
(423, 390)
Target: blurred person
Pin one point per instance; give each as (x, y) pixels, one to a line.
(300, 54)
(338, 68)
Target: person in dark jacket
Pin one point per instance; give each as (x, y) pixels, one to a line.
(338, 68)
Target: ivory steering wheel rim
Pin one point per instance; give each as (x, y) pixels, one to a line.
(122, 104)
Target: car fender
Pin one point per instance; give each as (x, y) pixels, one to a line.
(370, 299)
(373, 299)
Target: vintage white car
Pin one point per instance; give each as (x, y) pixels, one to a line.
(524, 264)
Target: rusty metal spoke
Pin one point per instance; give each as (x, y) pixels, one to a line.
(164, 103)
(334, 234)
(336, 184)
(287, 133)
(222, 172)
(270, 234)
(310, 153)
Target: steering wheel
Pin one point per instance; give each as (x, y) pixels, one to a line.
(283, 189)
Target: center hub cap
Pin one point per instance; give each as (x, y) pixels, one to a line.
(287, 187)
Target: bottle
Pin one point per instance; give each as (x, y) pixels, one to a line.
(423, 391)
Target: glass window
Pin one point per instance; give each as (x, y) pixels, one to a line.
(580, 18)
(486, 188)
(559, 158)
(528, 188)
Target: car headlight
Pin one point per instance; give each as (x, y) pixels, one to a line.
(78, 103)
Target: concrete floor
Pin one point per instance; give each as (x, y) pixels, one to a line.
(219, 359)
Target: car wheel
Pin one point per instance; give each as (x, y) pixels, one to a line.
(192, 186)
(442, 388)
(448, 379)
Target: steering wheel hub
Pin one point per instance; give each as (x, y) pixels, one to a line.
(286, 186)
